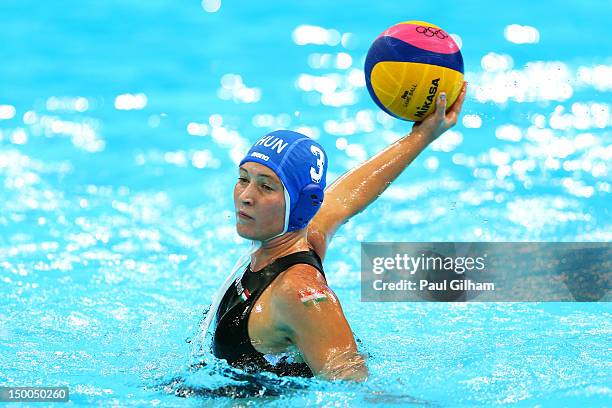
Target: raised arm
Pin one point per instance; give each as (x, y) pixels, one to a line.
(355, 190)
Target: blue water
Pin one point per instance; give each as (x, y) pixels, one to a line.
(116, 225)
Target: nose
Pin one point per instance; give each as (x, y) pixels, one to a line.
(246, 195)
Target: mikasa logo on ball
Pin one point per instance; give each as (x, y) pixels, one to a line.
(432, 93)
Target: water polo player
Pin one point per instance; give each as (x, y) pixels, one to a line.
(278, 314)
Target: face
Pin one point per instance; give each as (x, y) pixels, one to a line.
(259, 200)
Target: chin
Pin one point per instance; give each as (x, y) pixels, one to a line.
(244, 234)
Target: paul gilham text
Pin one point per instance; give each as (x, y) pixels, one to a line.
(455, 284)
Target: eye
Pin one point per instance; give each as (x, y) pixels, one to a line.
(242, 180)
(267, 187)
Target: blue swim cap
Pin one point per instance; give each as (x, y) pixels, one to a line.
(301, 165)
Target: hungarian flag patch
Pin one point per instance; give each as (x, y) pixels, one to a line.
(311, 297)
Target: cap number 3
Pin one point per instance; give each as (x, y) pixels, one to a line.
(316, 174)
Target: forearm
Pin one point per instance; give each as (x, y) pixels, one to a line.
(346, 366)
(355, 190)
(357, 374)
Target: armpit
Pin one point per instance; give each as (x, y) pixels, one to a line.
(317, 241)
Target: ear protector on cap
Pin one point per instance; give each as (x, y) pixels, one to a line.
(309, 202)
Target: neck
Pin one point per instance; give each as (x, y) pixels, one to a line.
(294, 241)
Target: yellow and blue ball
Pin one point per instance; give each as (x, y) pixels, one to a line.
(407, 67)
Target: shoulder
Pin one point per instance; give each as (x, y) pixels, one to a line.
(298, 277)
(299, 285)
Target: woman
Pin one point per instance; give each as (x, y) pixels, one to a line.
(280, 315)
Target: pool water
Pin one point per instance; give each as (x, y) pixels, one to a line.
(121, 124)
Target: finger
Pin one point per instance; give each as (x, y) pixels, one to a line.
(441, 106)
(456, 108)
(455, 111)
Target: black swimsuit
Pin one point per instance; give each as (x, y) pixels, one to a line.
(231, 340)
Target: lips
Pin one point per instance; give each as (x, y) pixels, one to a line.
(244, 215)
